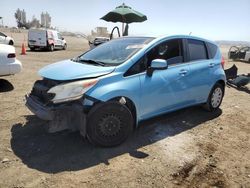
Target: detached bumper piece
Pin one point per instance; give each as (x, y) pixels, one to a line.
(60, 117)
(236, 80)
(241, 80)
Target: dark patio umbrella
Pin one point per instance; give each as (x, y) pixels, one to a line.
(124, 14)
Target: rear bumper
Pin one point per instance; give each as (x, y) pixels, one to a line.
(11, 68)
(15, 67)
(37, 46)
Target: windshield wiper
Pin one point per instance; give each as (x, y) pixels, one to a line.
(91, 61)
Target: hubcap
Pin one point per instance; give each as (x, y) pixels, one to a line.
(110, 125)
(216, 97)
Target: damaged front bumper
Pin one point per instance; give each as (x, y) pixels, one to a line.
(41, 111)
(68, 115)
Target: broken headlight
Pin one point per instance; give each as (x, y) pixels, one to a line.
(71, 91)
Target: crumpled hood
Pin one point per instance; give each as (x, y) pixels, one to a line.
(70, 70)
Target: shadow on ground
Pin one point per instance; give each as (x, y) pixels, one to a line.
(67, 151)
(5, 86)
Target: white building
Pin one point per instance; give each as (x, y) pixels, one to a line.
(45, 20)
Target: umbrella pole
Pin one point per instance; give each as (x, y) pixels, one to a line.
(122, 28)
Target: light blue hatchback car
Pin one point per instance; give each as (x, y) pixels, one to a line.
(106, 91)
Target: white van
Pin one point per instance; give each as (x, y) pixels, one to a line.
(45, 39)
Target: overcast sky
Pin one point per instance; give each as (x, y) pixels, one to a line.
(211, 19)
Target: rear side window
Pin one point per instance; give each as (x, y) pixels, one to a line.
(197, 50)
(50, 35)
(212, 49)
(1, 34)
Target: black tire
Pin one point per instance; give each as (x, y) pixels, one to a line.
(215, 98)
(109, 124)
(51, 47)
(11, 43)
(65, 47)
(32, 49)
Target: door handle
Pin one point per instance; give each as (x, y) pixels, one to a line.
(183, 72)
(211, 65)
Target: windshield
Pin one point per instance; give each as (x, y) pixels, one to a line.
(114, 52)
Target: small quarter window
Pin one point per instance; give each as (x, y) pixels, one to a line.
(137, 68)
(212, 49)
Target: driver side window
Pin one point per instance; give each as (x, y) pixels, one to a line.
(59, 35)
(171, 50)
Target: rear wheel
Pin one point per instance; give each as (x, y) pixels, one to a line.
(109, 124)
(215, 98)
(65, 47)
(32, 49)
(51, 47)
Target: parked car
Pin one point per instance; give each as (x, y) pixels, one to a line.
(4, 39)
(239, 53)
(8, 62)
(45, 39)
(106, 91)
(97, 41)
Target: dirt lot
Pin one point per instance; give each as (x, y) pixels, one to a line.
(187, 148)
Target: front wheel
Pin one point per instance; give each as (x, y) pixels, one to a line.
(11, 43)
(109, 124)
(215, 98)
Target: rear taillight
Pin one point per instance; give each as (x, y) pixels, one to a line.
(11, 55)
(222, 62)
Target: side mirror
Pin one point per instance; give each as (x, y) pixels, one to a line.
(62, 38)
(157, 64)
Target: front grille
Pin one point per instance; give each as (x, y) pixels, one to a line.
(40, 89)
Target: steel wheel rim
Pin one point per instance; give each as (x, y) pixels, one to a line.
(110, 126)
(216, 97)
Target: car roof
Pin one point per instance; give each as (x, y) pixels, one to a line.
(187, 37)
(166, 37)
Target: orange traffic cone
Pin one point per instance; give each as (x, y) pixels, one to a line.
(23, 50)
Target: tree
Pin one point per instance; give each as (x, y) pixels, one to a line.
(20, 16)
(34, 22)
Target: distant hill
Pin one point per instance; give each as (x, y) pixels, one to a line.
(232, 43)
